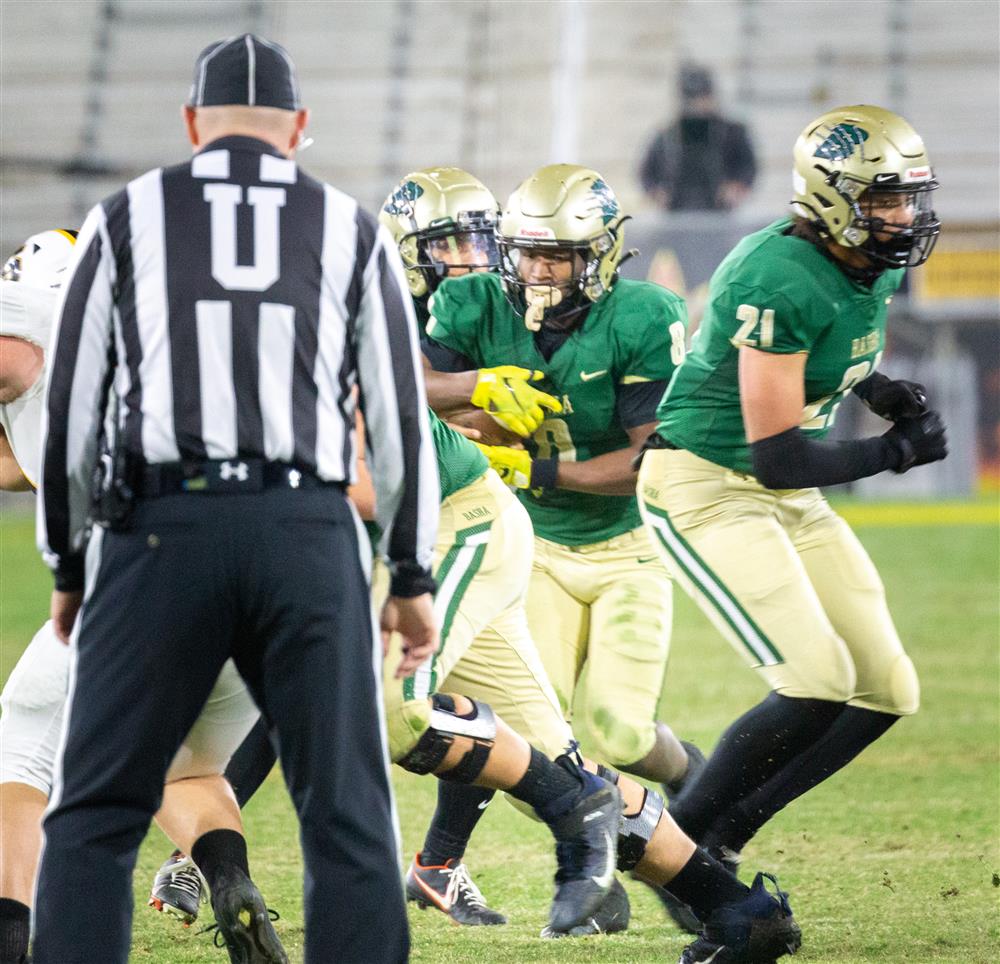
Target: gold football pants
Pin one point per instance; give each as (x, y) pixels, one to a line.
(482, 563)
(600, 616)
(782, 577)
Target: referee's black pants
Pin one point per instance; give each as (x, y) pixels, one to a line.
(273, 579)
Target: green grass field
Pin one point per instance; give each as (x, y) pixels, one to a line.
(894, 859)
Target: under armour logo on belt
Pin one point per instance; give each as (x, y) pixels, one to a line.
(234, 470)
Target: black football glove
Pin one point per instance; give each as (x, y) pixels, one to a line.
(918, 440)
(892, 398)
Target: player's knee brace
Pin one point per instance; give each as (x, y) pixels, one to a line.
(445, 725)
(635, 832)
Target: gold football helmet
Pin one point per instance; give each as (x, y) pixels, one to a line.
(443, 220)
(856, 159)
(562, 210)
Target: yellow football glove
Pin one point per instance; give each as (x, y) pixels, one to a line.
(505, 395)
(512, 465)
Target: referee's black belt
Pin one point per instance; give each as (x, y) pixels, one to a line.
(226, 476)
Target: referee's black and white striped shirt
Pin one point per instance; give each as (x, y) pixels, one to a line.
(239, 301)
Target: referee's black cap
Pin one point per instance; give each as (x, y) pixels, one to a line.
(246, 70)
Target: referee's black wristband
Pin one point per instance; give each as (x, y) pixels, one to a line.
(410, 579)
(544, 473)
(69, 574)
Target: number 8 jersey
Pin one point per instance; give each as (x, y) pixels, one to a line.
(631, 336)
(777, 293)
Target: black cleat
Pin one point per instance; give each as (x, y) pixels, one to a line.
(610, 918)
(586, 853)
(178, 889)
(244, 922)
(757, 930)
(451, 890)
(696, 763)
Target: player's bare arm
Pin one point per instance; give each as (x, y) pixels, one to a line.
(772, 391)
(448, 392)
(12, 479)
(20, 365)
(609, 474)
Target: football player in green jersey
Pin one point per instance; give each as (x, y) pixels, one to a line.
(729, 488)
(599, 602)
(489, 534)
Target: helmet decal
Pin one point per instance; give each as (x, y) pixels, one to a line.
(400, 202)
(841, 142)
(606, 200)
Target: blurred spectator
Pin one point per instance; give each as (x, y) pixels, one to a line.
(701, 162)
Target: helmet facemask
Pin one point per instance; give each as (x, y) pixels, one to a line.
(906, 243)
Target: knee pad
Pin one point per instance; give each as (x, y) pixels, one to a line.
(445, 725)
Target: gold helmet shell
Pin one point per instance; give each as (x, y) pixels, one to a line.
(563, 206)
(850, 150)
(438, 202)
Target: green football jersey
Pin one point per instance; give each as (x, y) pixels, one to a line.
(460, 463)
(635, 333)
(776, 293)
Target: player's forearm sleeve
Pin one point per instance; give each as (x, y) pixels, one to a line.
(790, 460)
(75, 399)
(403, 463)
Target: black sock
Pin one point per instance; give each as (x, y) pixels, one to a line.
(751, 751)
(459, 809)
(551, 788)
(853, 730)
(704, 884)
(219, 851)
(251, 763)
(15, 930)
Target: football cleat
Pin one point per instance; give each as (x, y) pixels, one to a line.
(756, 930)
(450, 889)
(696, 762)
(586, 855)
(244, 922)
(610, 918)
(178, 889)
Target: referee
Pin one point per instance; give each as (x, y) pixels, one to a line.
(227, 308)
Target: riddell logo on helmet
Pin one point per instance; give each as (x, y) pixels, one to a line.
(917, 174)
(536, 233)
